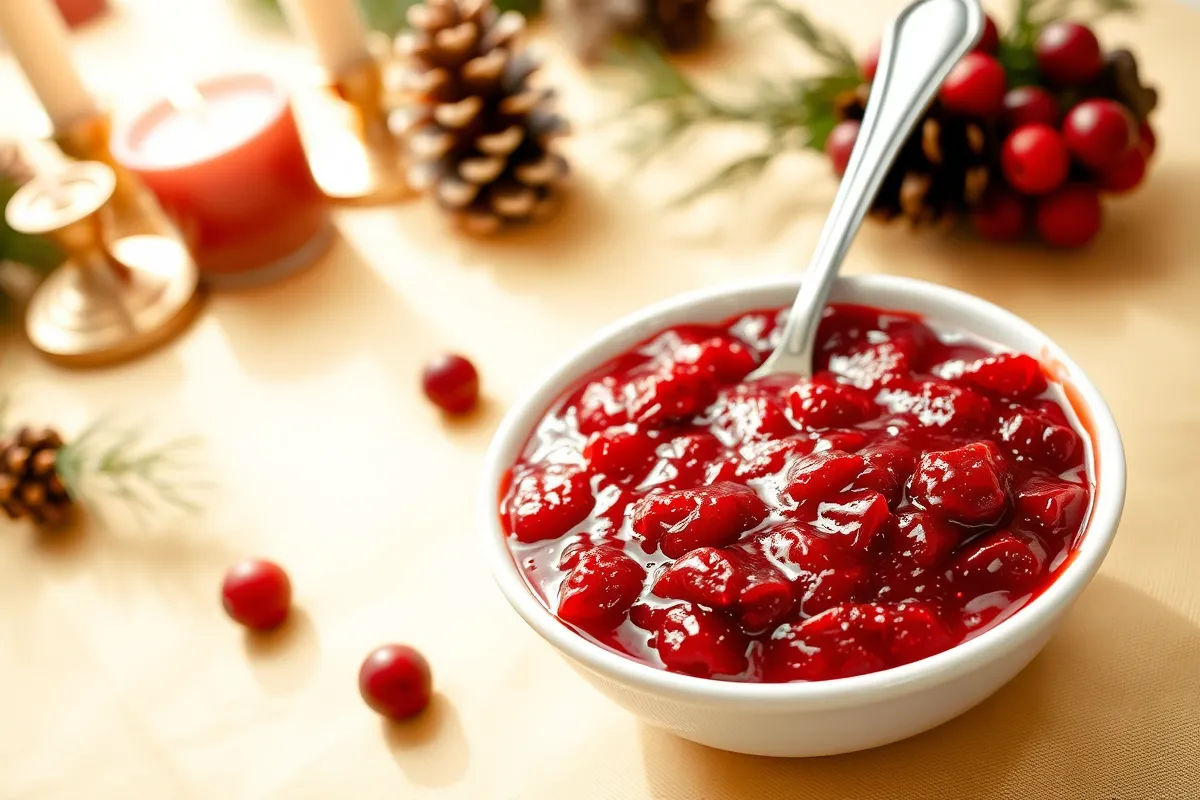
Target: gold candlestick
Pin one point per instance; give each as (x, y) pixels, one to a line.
(134, 210)
(111, 299)
(354, 156)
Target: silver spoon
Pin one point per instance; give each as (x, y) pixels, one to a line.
(919, 49)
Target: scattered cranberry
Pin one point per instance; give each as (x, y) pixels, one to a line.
(975, 87)
(1035, 159)
(451, 383)
(1147, 141)
(257, 594)
(1002, 217)
(1126, 175)
(1068, 53)
(840, 144)
(870, 62)
(1100, 132)
(395, 681)
(1071, 217)
(1027, 105)
(989, 42)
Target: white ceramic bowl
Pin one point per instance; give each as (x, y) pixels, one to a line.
(839, 716)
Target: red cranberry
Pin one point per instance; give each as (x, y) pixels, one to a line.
(1127, 174)
(257, 594)
(1099, 133)
(968, 484)
(870, 62)
(975, 87)
(703, 643)
(763, 458)
(1002, 561)
(1147, 141)
(707, 575)
(989, 42)
(1071, 217)
(1068, 53)
(766, 596)
(1002, 217)
(853, 518)
(1029, 105)
(686, 461)
(936, 404)
(1050, 505)
(1034, 435)
(889, 465)
(840, 144)
(727, 360)
(1035, 159)
(547, 502)
(817, 476)
(395, 681)
(683, 520)
(822, 573)
(826, 404)
(451, 383)
(751, 412)
(673, 393)
(1014, 375)
(619, 453)
(600, 589)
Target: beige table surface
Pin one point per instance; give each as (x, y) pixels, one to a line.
(121, 678)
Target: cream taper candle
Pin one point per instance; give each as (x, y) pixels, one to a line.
(37, 36)
(336, 29)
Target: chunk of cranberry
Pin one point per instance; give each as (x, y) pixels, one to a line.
(707, 576)
(750, 412)
(599, 590)
(870, 366)
(919, 546)
(822, 574)
(853, 518)
(1050, 505)
(570, 554)
(646, 616)
(671, 394)
(688, 461)
(848, 441)
(968, 484)
(701, 643)
(765, 458)
(685, 519)
(854, 639)
(939, 404)
(1013, 375)
(547, 502)
(826, 404)
(620, 453)
(1034, 435)
(766, 596)
(889, 466)
(725, 359)
(820, 475)
(601, 405)
(1001, 561)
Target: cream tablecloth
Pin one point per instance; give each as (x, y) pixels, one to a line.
(120, 677)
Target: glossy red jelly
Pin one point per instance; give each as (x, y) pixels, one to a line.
(919, 490)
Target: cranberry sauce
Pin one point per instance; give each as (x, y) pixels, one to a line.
(920, 489)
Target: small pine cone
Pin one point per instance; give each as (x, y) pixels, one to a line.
(943, 169)
(481, 138)
(679, 25)
(30, 485)
(1119, 80)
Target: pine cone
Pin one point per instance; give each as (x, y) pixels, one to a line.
(679, 25)
(30, 485)
(1119, 80)
(482, 135)
(942, 171)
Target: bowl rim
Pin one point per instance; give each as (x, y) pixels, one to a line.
(1032, 619)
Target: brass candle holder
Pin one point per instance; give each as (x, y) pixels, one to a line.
(112, 299)
(355, 157)
(134, 210)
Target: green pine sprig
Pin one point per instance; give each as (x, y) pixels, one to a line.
(109, 462)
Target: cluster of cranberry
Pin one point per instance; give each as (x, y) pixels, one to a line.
(1055, 161)
(394, 680)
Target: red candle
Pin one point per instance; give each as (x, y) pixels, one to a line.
(225, 161)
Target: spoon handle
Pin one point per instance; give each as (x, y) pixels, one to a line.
(919, 49)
